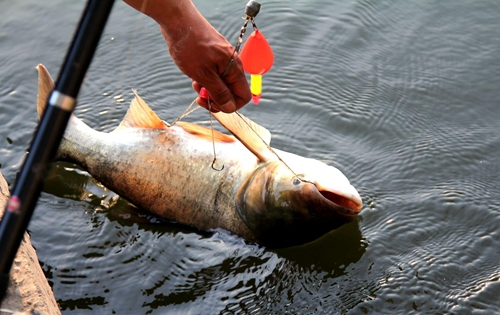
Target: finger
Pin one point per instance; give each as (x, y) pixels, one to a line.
(239, 88)
(214, 108)
(234, 86)
(238, 84)
(221, 95)
(196, 86)
(203, 102)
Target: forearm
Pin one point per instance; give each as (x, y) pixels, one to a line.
(172, 15)
(158, 9)
(179, 19)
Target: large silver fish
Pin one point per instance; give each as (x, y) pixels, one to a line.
(167, 171)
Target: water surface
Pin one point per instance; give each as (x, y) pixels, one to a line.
(401, 96)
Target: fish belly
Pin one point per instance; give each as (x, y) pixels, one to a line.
(167, 172)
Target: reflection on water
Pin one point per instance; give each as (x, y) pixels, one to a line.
(332, 253)
(402, 97)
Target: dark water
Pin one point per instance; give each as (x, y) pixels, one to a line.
(402, 96)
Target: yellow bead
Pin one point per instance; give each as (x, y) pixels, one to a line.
(256, 84)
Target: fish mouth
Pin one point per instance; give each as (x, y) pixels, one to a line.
(347, 198)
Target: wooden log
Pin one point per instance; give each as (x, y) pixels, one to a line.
(28, 288)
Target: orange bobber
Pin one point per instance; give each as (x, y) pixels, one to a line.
(257, 58)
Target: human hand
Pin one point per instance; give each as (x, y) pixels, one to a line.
(205, 59)
(199, 51)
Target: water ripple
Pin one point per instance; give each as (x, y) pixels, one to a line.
(402, 97)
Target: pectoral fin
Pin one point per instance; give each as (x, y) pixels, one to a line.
(253, 136)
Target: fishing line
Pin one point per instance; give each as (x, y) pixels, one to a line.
(186, 112)
(213, 138)
(272, 151)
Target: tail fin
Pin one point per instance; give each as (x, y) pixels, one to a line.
(76, 129)
(45, 86)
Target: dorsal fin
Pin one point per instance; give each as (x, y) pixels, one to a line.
(139, 115)
(45, 86)
(253, 136)
(205, 132)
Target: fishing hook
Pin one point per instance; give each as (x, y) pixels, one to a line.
(213, 165)
(213, 138)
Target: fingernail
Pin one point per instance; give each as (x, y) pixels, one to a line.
(229, 107)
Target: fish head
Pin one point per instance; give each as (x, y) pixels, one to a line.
(288, 199)
(286, 208)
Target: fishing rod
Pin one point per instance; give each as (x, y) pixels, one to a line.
(50, 130)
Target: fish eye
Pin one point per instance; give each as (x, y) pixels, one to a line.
(296, 181)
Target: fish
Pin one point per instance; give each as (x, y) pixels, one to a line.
(262, 194)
